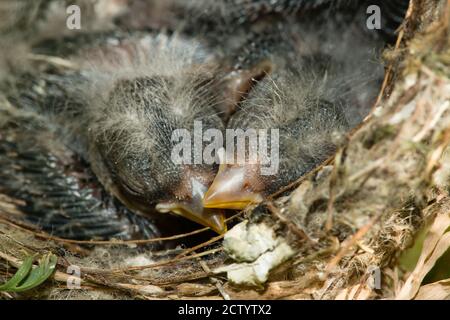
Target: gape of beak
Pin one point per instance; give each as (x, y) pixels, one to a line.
(193, 209)
(235, 187)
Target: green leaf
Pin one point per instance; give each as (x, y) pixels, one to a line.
(28, 276)
(21, 273)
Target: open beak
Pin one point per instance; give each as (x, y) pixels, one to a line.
(232, 188)
(193, 210)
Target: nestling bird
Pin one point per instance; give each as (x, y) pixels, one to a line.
(313, 93)
(86, 132)
(116, 108)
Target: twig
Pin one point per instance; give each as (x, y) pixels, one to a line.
(389, 72)
(201, 245)
(214, 281)
(46, 236)
(299, 232)
(368, 169)
(332, 184)
(160, 264)
(300, 180)
(353, 240)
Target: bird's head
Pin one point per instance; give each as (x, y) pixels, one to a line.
(132, 145)
(300, 123)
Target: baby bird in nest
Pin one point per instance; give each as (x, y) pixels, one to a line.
(313, 91)
(86, 134)
(114, 105)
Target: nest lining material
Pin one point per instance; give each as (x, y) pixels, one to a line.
(358, 211)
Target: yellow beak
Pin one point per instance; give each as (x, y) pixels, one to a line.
(231, 189)
(193, 209)
(214, 219)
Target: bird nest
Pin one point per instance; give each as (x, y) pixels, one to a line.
(346, 227)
